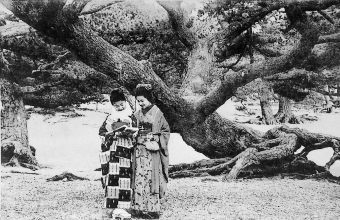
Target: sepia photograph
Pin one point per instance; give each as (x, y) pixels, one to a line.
(170, 109)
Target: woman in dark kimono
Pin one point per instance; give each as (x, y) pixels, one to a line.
(115, 156)
(150, 156)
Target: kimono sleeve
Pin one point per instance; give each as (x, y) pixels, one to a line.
(164, 130)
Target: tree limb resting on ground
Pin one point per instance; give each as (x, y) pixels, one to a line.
(281, 143)
(67, 176)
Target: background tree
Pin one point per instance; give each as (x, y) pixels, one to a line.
(38, 74)
(197, 121)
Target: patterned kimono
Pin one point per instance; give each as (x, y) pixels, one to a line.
(115, 160)
(150, 168)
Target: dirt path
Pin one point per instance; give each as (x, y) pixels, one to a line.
(26, 196)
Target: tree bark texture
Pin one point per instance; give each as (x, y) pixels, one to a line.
(266, 107)
(15, 149)
(275, 154)
(285, 114)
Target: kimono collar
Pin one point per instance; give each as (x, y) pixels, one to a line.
(145, 110)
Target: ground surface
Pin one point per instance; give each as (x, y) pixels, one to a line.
(72, 144)
(31, 197)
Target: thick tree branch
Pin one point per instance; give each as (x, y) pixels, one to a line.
(225, 51)
(264, 39)
(233, 80)
(62, 25)
(267, 52)
(60, 59)
(22, 39)
(48, 72)
(326, 16)
(289, 140)
(305, 78)
(312, 141)
(178, 19)
(335, 38)
(227, 35)
(97, 5)
(307, 5)
(14, 29)
(39, 88)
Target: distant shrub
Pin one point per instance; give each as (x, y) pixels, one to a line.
(244, 109)
(241, 108)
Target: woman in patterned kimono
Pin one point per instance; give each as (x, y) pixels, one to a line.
(115, 157)
(150, 156)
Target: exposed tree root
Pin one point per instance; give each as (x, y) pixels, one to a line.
(209, 180)
(14, 162)
(14, 154)
(273, 156)
(67, 176)
(198, 164)
(281, 119)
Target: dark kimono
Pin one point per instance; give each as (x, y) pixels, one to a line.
(115, 160)
(150, 167)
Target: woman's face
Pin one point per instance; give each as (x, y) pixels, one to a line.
(119, 106)
(143, 102)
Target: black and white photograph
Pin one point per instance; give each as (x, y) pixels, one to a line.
(170, 109)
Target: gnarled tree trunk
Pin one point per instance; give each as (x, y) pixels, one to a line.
(266, 108)
(285, 114)
(15, 150)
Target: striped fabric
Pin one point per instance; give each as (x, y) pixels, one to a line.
(116, 173)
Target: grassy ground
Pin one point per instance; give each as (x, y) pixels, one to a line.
(27, 196)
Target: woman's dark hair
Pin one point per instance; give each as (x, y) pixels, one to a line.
(146, 91)
(116, 96)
